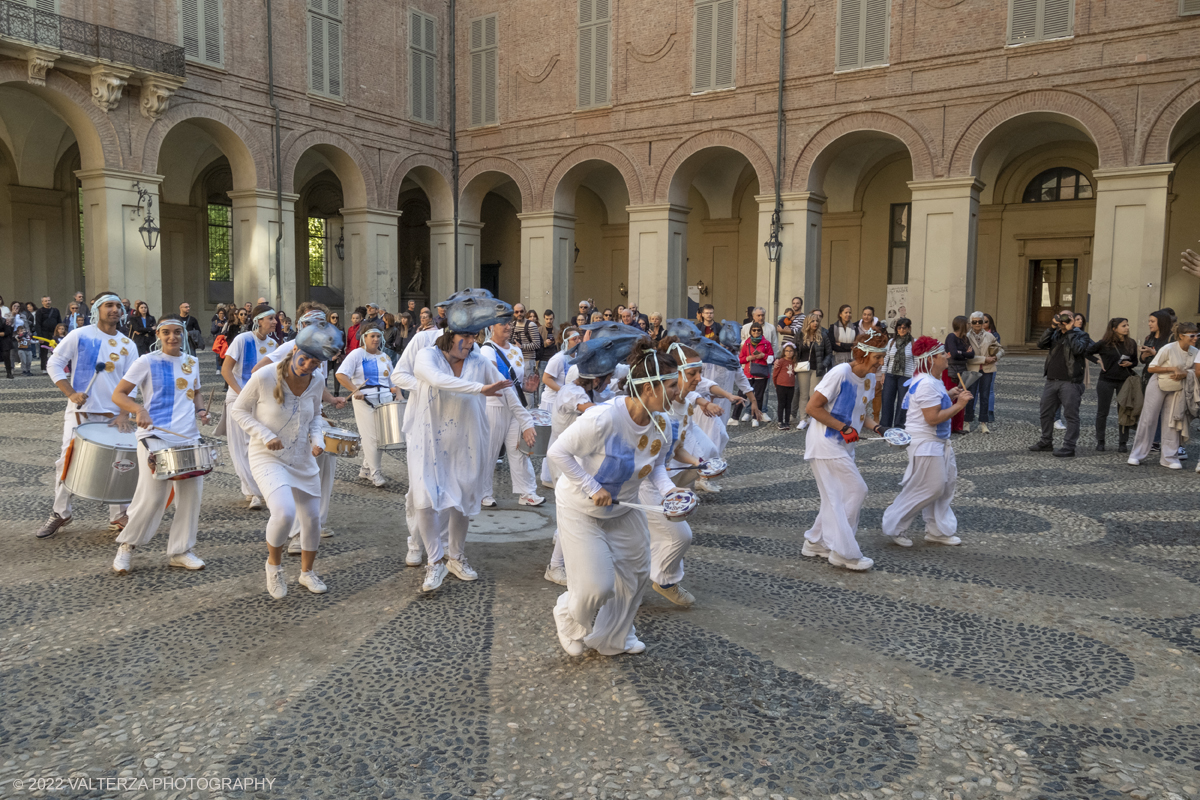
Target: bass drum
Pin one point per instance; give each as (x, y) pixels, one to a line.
(101, 464)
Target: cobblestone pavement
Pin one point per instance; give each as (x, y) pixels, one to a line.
(1055, 654)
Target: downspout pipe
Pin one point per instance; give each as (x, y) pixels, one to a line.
(776, 217)
(277, 277)
(454, 137)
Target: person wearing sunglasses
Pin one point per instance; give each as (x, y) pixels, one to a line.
(1168, 376)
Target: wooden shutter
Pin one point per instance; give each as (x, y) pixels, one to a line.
(316, 53)
(1022, 20)
(333, 33)
(849, 30)
(189, 12)
(1187, 7)
(875, 32)
(325, 46)
(703, 80)
(477, 72)
(416, 68)
(49, 6)
(211, 30)
(1057, 18)
(593, 52)
(723, 38)
(587, 66)
(484, 65)
(422, 41)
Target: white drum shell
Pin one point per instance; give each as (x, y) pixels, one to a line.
(103, 472)
(389, 425)
(171, 463)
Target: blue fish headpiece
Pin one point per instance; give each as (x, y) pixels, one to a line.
(713, 353)
(730, 334)
(463, 294)
(608, 329)
(320, 340)
(597, 357)
(473, 314)
(684, 329)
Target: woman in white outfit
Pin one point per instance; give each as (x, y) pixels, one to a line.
(168, 382)
(927, 487)
(280, 410)
(364, 369)
(506, 425)
(604, 457)
(1168, 377)
(841, 406)
(449, 452)
(244, 352)
(554, 377)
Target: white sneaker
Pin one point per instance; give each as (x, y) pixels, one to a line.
(1059, 425)
(766, 416)
(326, 533)
(313, 582)
(814, 549)
(121, 563)
(413, 559)
(434, 575)
(676, 594)
(378, 479)
(488, 502)
(803, 425)
(966, 427)
(531, 500)
(1133, 462)
(746, 417)
(573, 647)
(635, 647)
(294, 545)
(188, 560)
(460, 569)
(1173, 465)
(903, 541)
(276, 581)
(705, 485)
(364, 474)
(937, 538)
(983, 428)
(753, 423)
(256, 503)
(733, 423)
(857, 564)
(556, 575)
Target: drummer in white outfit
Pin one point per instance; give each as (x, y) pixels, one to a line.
(403, 377)
(927, 487)
(307, 314)
(367, 368)
(97, 351)
(280, 409)
(605, 456)
(554, 377)
(840, 407)
(506, 426)
(449, 453)
(168, 382)
(240, 359)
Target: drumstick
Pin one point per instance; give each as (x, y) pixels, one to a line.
(638, 506)
(173, 433)
(99, 369)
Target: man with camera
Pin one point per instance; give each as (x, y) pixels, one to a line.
(1068, 346)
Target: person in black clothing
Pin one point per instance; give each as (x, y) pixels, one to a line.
(141, 328)
(1068, 346)
(45, 320)
(191, 327)
(1118, 355)
(8, 343)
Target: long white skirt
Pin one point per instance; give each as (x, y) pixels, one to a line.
(842, 494)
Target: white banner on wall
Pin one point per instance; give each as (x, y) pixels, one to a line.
(897, 303)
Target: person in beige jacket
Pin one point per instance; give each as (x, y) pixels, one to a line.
(987, 352)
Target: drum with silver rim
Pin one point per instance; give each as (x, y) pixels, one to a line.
(341, 442)
(101, 463)
(182, 461)
(541, 429)
(389, 425)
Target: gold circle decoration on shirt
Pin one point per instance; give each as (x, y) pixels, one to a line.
(262, 350)
(113, 357)
(645, 440)
(109, 367)
(190, 394)
(180, 383)
(112, 342)
(654, 448)
(644, 471)
(186, 367)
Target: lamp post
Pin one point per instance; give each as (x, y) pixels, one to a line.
(148, 229)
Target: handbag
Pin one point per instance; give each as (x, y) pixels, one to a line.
(759, 370)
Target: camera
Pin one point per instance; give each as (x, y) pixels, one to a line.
(1064, 318)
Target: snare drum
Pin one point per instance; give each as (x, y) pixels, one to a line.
(101, 464)
(183, 461)
(341, 442)
(541, 429)
(389, 425)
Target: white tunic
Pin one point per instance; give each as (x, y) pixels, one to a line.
(245, 350)
(82, 349)
(403, 374)
(556, 368)
(167, 385)
(447, 431)
(297, 423)
(364, 369)
(849, 401)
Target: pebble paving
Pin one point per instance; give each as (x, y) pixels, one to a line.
(1056, 654)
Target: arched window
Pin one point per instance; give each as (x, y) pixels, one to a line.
(1060, 183)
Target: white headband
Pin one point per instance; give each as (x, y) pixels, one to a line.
(309, 318)
(107, 298)
(270, 312)
(869, 348)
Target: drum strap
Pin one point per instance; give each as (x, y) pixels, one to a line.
(67, 459)
(508, 373)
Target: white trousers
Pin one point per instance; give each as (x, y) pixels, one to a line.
(239, 452)
(928, 488)
(150, 503)
(62, 497)
(842, 494)
(442, 532)
(288, 506)
(327, 465)
(364, 416)
(608, 566)
(668, 540)
(1152, 419)
(506, 430)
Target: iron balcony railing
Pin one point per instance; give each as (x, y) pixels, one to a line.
(43, 29)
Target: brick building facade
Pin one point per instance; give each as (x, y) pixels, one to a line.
(1014, 157)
